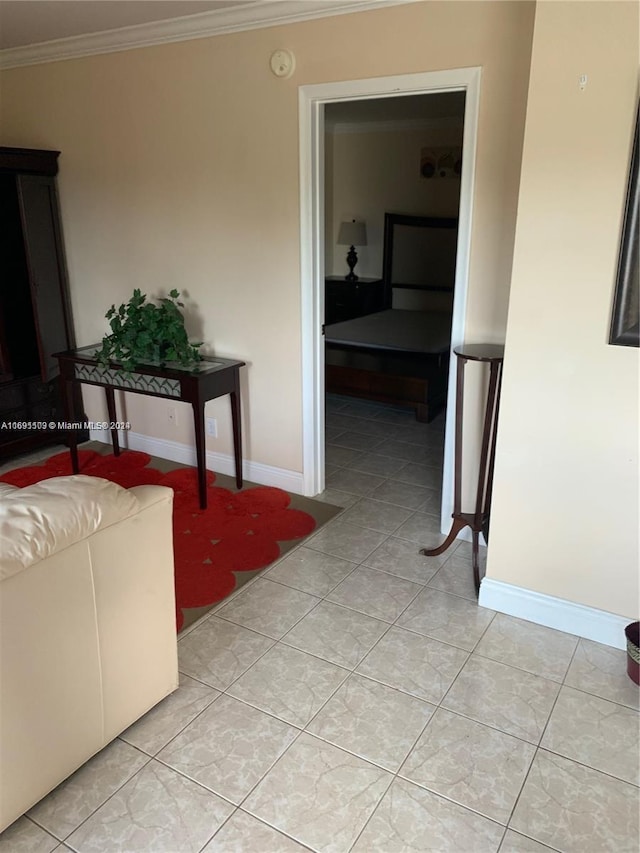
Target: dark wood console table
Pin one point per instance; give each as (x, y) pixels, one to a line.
(206, 380)
(478, 521)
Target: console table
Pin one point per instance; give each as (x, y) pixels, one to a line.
(478, 521)
(206, 380)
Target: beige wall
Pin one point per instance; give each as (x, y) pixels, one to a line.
(375, 172)
(179, 168)
(565, 509)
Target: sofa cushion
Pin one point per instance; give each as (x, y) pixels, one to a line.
(40, 520)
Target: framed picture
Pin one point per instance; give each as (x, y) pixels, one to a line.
(441, 162)
(625, 319)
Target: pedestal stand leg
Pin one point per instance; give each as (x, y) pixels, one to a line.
(476, 565)
(458, 521)
(456, 527)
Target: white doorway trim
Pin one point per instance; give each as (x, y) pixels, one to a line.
(311, 101)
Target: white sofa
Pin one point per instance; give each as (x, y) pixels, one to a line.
(87, 625)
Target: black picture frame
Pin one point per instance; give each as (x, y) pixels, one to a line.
(625, 318)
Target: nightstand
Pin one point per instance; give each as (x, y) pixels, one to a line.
(344, 300)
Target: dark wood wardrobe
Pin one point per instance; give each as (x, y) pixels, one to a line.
(35, 312)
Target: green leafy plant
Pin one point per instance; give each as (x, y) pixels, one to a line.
(144, 332)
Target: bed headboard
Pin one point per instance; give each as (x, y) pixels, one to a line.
(419, 261)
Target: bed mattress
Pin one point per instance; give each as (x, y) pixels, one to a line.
(395, 330)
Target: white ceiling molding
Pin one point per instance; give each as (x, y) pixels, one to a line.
(395, 125)
(250, 16)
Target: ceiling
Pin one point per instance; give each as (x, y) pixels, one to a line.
(27, 22)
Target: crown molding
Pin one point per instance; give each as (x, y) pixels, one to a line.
(395, 126)
(250, 16)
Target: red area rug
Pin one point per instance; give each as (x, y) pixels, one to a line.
(239, 532)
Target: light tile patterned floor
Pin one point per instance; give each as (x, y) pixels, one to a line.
(354, 698)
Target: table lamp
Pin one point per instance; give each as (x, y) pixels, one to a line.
(352, 234)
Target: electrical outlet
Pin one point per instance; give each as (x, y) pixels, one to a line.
(172, 415)
(212, 427)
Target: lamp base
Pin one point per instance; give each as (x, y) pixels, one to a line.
(352, 260)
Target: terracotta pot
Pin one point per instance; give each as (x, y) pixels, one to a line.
(632, 633)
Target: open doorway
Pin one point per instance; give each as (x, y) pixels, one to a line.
(392, 176)
(314, 100)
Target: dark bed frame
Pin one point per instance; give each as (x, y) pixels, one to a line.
(418, 382)
(405, 378)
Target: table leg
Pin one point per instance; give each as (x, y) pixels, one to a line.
(66, 392)
(234, 396)
(198, 423)
(111, 409)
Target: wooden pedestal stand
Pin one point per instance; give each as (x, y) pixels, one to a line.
(478, 520)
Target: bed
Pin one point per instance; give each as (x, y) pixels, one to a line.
(400, 355)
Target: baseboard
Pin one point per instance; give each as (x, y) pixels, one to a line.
(223, 463)
(587, 622)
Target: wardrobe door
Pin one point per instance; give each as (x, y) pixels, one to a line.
(5, 359)
(46, 267)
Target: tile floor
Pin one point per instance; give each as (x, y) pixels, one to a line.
(354, 698)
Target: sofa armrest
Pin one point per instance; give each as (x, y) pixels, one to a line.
(149, 495)
(47, 517)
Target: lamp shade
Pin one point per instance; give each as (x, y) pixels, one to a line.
(352, 234)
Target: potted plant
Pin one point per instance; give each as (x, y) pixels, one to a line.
(142, 332)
